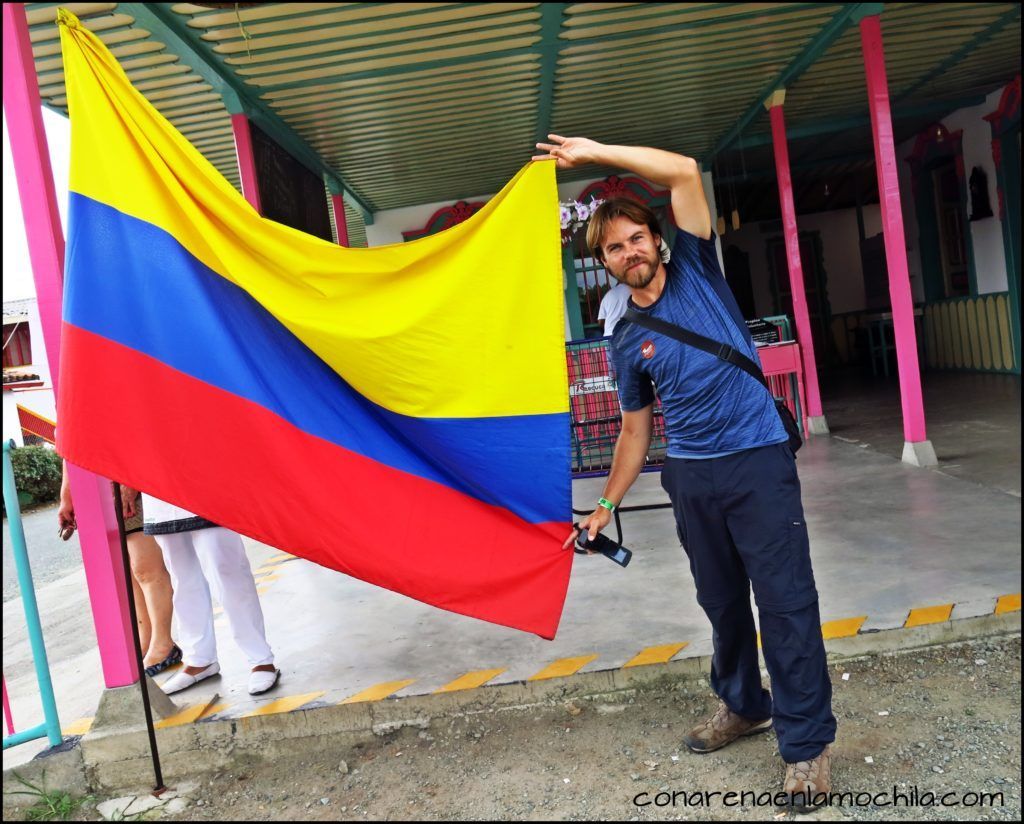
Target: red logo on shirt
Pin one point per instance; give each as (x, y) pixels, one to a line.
(647, 350)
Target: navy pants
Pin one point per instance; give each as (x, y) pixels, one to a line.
(740, 520)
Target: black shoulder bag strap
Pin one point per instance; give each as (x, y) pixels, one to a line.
(720, 350)
(725, 352)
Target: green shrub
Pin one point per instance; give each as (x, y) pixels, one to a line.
(37, 471)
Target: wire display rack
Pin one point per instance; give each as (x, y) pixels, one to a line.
(595, 415)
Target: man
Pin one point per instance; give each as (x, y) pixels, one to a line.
(730, 473)
(613, 307)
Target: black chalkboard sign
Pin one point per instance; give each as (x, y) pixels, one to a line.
(763, 332)
(289, 192)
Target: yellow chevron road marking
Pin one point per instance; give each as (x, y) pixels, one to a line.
(562, 667)
(280, 559)
(376, 693)
(661, 654)
(213, 710)
(1008, 603)
(79, 727)
(287, 704)
(843, 628)
(266, 578)
(470, 680)
(928, 615)
(186, 716)
(266, 569)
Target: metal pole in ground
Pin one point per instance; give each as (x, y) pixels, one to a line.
(51, 726)
(143, 686)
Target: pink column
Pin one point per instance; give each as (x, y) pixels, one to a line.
(816, 419)
(917, 449)
(246, 160)
(98, 534)
(340, 221)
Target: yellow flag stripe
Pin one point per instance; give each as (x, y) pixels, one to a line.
(441, 316)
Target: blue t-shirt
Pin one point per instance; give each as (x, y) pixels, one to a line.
(711, 407)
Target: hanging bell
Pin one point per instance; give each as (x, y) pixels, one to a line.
(735, 219)
(720, 226)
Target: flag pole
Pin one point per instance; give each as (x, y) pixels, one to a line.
(143, 686)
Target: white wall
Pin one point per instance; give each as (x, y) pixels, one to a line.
(986, 234)
(840, 249)
(12, 427)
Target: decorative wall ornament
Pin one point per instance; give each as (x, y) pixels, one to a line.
(444, 218)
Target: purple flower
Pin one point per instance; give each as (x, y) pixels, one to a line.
(582, 212)
(565, 215)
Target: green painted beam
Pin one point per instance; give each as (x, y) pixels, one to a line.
(845, 124)
(821, 42)
(970, 46)
(181, 41)
(551, 20)
(154, 20)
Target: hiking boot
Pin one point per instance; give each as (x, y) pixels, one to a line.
(808, 783)
(722, 728)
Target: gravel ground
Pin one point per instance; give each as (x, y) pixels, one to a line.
(944, 720)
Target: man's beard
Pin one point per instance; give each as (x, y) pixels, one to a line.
(639, 277)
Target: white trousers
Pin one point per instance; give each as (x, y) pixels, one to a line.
(205, 559)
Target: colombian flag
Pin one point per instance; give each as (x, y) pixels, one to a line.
(399, 413)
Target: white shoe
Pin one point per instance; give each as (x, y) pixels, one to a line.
(182, 680)
(260, 681)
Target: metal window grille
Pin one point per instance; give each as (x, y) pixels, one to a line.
(595, 415)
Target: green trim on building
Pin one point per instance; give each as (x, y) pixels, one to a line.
(572, 293)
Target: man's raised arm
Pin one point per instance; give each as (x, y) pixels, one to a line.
(678, 173)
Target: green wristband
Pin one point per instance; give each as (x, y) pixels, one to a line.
(606, 504)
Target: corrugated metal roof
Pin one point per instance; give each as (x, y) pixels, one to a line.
(411, 103)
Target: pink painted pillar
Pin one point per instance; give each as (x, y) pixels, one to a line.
(246, 159)
(916, 449)
(94, 509)
(815, 417)
(340, 221)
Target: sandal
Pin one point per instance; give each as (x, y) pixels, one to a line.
(173, 657)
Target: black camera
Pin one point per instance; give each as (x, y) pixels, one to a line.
(602, 544)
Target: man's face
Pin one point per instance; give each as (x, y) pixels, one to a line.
(631, 252)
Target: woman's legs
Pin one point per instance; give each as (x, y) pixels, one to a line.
(143, 625)
(151, 576)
